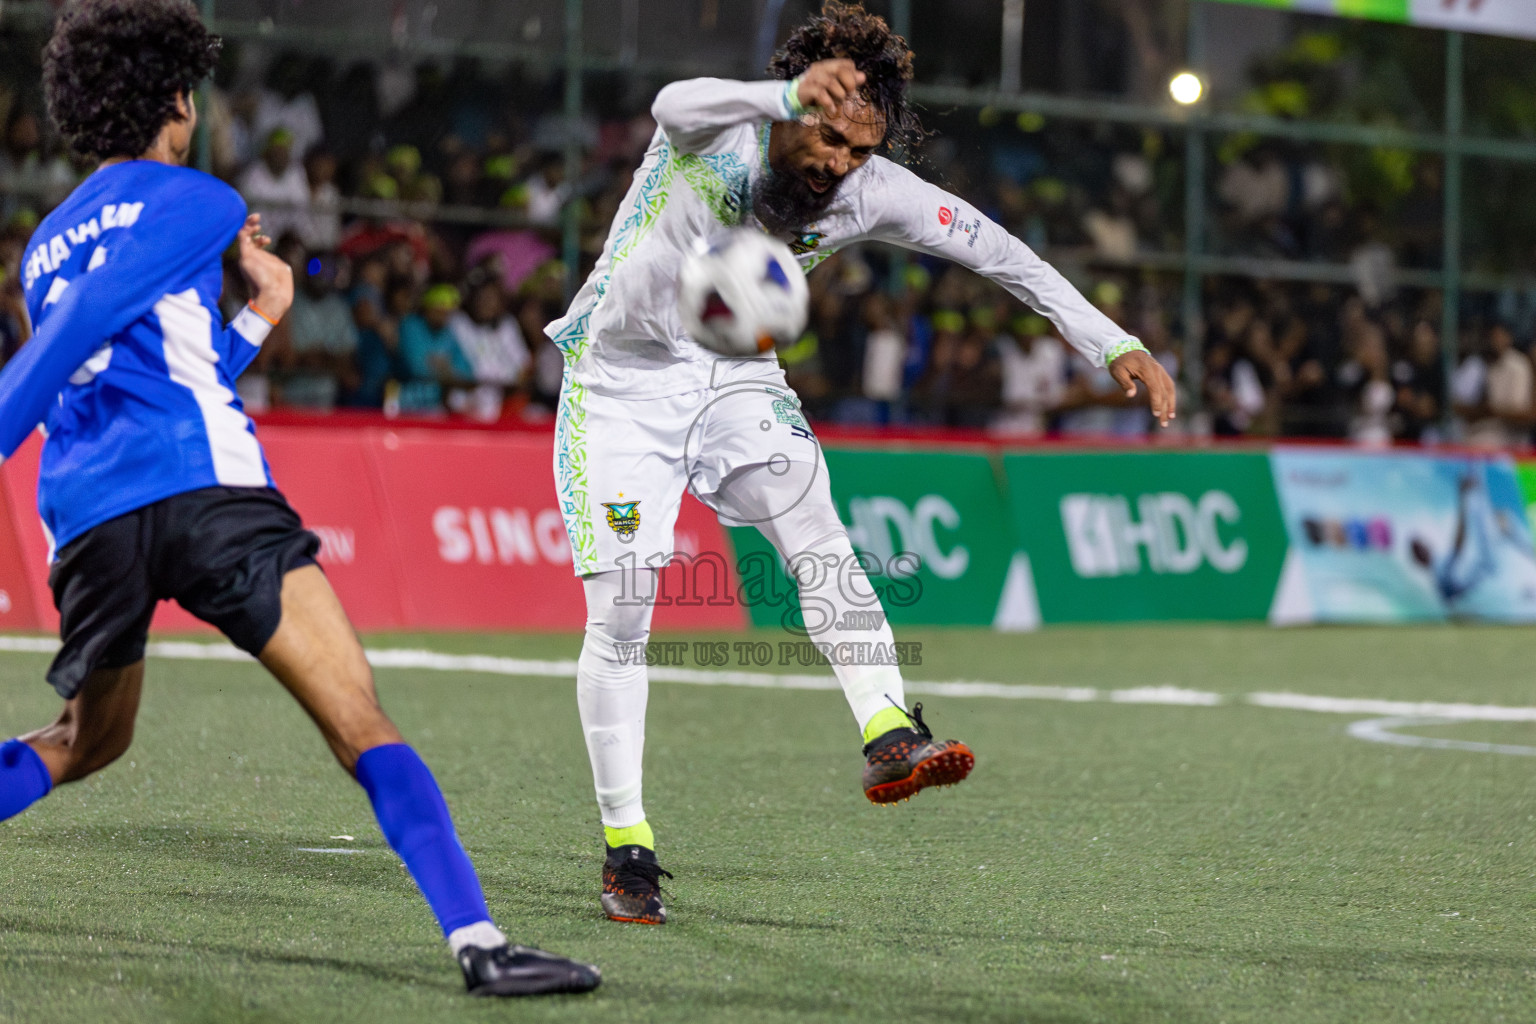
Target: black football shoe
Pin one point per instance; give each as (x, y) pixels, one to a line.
(901, 762)
(520, 971)
(632, 885)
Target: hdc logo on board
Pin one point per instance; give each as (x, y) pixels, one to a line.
(498, 535)
(878, 521)
(1106, 538)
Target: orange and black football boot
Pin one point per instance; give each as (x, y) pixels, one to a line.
(899, 763)
(632, 885)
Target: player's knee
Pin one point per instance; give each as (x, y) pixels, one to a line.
(620, 624)
(89, 752)
(598, 649)
(619, 605)
(805, 530)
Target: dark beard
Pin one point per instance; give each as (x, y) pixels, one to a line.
(786, 205)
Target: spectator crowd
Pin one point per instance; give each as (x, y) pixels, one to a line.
(420, 208)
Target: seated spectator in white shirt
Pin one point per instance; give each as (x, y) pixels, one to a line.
(544, 193)
(1034, 376)
(491, 340)
(1508, 393)
(287, 102)
(276, 187)
(885, 350)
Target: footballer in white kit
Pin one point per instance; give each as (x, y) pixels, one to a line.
(646, 412)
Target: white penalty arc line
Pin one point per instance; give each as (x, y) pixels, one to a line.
(1389, 714)
(1382, 730)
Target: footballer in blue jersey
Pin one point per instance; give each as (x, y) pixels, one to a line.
(153, 485)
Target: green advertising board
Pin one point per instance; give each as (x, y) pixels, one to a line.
(1525, 475)
(1148, 535)
(932, 523)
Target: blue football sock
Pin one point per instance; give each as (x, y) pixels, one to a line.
(24, 779)
(415, 821)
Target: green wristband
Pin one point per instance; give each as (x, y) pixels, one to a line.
(792, 100)
(1126, 346)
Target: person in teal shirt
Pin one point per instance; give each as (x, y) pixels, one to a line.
(428, 349)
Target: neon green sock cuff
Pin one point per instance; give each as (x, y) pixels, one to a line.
(634, 835)
(884, 721)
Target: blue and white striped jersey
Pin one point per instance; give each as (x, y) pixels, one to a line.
(131, 372)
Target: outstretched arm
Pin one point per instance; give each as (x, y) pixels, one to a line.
(905, 210)
(173, 235)
(694, 113)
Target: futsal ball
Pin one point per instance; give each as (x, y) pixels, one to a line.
(742, 294)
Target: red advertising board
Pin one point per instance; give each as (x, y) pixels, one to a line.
(419, 529)
(328, 478)
(477, 528)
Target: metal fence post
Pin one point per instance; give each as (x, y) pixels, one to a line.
(1012, 78)
(202, 142)
(1192, 360)
(1450, 314)
(901, 24)
(571, 214)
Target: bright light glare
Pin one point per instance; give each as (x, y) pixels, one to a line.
(1186, 88)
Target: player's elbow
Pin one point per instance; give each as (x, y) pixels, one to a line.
(676, 108)
(666, 106)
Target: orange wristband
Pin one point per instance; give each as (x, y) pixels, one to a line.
(257, 310)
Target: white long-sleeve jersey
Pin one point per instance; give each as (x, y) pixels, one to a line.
(622, 335)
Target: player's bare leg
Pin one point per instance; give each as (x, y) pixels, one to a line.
(316, 654)
(94, 728)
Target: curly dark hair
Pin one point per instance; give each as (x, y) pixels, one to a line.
(113, 68)
(847, 30)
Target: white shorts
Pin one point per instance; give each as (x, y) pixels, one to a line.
(621, 466)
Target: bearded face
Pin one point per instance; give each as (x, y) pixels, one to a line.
(786, 203)
(808, 160)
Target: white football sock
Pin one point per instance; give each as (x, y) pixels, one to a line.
(611, 691)
(481, 934)
(826, 598)
(792, 507)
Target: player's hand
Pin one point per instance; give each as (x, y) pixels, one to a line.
(270, 279)
(1134, 366)
(828, 83)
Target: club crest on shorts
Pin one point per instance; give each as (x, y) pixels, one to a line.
(623, 517)
(787, 411)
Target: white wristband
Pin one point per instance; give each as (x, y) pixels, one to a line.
(251, 326)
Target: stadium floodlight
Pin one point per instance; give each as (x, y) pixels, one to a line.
(1186, 88)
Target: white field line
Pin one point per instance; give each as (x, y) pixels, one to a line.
(329, 849)
(434, 661)
(1392, 708)
(1381, 730)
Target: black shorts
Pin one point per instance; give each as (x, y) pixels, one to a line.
(221, 553)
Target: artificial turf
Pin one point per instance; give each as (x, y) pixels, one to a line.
(1106, 861)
